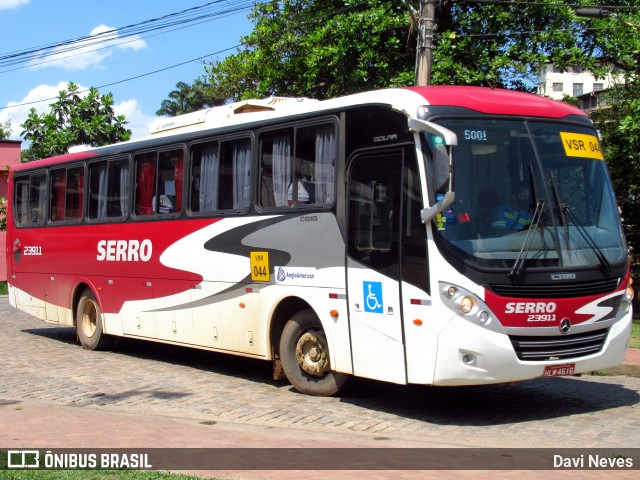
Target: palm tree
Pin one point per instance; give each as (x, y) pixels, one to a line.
(187, 98)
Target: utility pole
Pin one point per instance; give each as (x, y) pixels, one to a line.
(424, 22)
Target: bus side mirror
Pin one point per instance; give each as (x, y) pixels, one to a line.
(443, 166)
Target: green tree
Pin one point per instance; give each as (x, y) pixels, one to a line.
(325, 48)
(619, 123)
(74, 119)
(187, 98)
(5, 130)
(319, 49)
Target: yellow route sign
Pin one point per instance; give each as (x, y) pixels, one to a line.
(259, 266)
(581, 145)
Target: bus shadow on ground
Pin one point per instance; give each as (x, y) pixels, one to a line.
(220, 363)
(62, 334)
(531, 400)
(480, 405)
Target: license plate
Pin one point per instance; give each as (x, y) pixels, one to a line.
(559, 370)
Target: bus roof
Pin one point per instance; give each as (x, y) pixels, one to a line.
(67, 157)
(491, 101)
(496, 101)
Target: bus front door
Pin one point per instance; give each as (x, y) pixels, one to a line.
(373, 265)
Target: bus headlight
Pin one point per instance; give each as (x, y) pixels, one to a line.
(468, 306)
(625, 305)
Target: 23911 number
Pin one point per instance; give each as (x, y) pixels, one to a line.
(32, 250)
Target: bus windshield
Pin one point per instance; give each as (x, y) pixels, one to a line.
(530, 194)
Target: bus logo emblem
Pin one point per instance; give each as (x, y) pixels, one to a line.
(565, 326)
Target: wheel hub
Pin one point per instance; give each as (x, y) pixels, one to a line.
(89, 319)
(311, 354)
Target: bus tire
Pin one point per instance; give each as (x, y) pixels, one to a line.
(304, 352)
(89, 323)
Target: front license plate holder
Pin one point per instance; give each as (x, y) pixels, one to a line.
(559, 370)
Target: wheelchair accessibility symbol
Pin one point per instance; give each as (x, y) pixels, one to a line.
(372, 293)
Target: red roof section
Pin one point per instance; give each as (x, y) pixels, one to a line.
(496, 101)
(68, 157)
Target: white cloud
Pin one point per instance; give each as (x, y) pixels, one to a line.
(139, 122)
(91, 52)
(19, 113)
(8, 4)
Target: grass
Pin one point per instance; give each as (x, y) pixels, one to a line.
(4, 290)
(635, 334)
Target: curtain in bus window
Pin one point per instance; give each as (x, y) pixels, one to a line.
(74, 194)
(103, 194)
(124, 188)
(177, 178)
(146, 186)
(97, 191)
(281, 169)
(209, 167)
(38, 198)
(324, 168)
(58, 181)
(241, 174)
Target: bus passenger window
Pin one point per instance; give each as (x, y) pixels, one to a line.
(30, 199)
(108, 189)
(305, 176)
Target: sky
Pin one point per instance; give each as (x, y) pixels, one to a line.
(110, 64)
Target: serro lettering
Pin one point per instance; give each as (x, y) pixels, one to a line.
(124, 250)
(530, 307)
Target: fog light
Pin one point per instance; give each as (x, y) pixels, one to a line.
(451, 291)
(466, 304)
(483, 317)
(469, 359)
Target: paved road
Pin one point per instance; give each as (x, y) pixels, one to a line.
(42, 365)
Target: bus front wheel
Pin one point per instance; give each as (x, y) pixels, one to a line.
(304, 352)
(89, 323)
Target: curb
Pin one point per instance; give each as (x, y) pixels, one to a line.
(626, 369)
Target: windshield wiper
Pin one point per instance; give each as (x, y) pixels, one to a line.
(560, 205)
(526, 245)
(604, 263)
(564, 208)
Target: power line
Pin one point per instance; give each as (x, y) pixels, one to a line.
(174, 21)
(127, 79)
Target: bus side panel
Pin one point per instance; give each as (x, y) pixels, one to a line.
(422, 324)
(31, 300)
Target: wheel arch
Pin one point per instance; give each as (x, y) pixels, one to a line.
(285, 309)
(80, 287)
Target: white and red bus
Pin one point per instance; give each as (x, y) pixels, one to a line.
(435, 235)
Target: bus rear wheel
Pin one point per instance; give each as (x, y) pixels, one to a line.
(89, 323)
(304, 352)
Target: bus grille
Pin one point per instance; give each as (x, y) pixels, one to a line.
(558, 348)
(566, 290)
